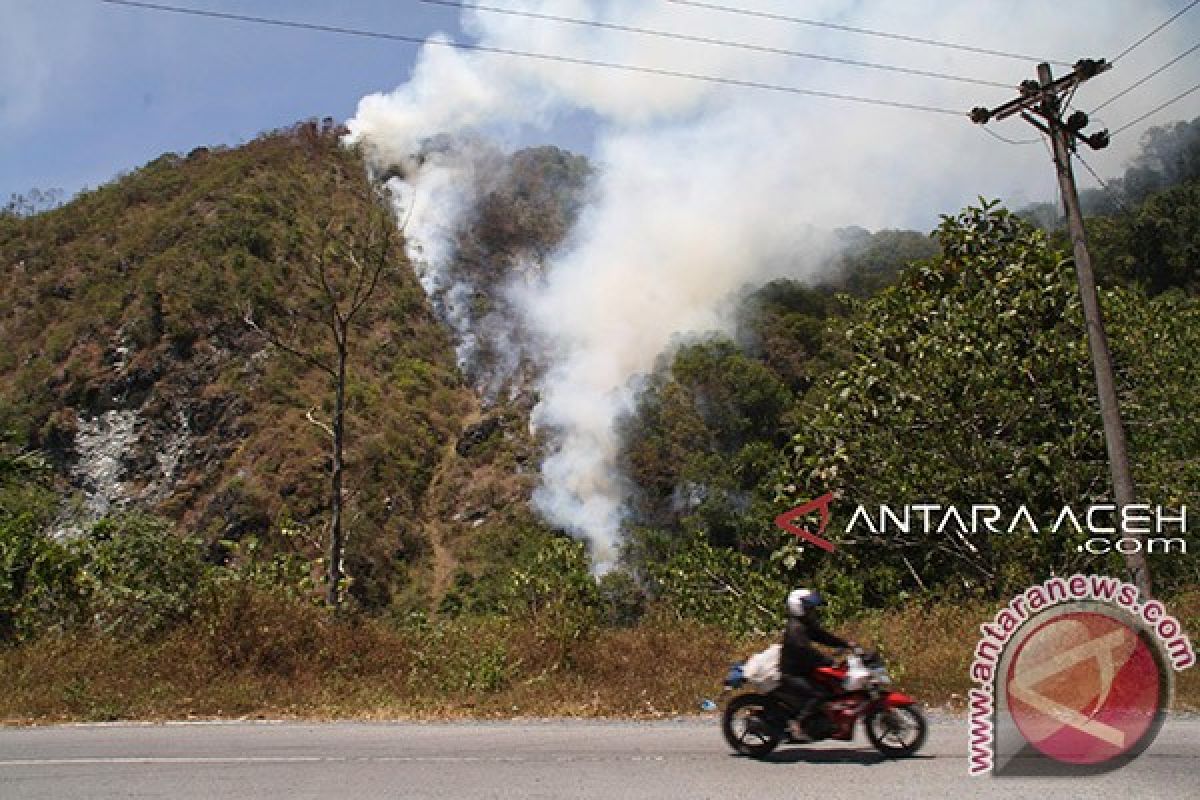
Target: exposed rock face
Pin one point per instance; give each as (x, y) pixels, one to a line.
(101, 445)
(153, 454)
(171, 456)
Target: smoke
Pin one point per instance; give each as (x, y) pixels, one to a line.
(434, 192)
(702, 189)
(667, 244)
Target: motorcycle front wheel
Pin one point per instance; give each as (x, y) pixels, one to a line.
(749, 726)
(896, 732)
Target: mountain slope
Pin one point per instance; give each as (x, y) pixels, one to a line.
(128, 360)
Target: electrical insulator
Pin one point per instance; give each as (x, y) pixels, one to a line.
(1077, 121)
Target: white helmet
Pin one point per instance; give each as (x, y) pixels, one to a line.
(800, 601)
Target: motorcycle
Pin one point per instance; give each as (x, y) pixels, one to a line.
(756, 722)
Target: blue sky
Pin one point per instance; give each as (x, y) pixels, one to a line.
(88, 90)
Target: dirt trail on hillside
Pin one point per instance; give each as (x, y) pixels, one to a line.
(437, 509)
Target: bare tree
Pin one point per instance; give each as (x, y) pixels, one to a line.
(345, 256)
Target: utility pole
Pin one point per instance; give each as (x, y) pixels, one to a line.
(1040, 104)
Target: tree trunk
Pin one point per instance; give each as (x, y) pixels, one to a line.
(336, 542)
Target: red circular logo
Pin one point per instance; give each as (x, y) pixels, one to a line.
(1084, 688)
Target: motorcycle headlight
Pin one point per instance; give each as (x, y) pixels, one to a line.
(880, 675)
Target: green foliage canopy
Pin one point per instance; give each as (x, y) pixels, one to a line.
(971, 383)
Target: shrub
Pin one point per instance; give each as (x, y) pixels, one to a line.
(143, 577)
(39, 586)
(38, 574)
(718, 586)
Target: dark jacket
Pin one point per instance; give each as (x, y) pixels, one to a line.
(798, 657)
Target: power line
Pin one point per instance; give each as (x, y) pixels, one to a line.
(1156, 109)
(1060, 210)
(1092, 172)
(685, 37)
(1006, 140)
(816, 23)
(1114, 195)
(560, 59)
(1139, 82)
(1139, 42)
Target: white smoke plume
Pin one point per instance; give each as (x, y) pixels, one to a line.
(431, 197)
(702, 189)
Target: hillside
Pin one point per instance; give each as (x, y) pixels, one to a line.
(130, 365)
(135, 372)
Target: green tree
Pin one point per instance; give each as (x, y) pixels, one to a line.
(1156, 345)
(701, 444)
(143, 578)
(720, 586)
(1156, 246)
(786, 325)
(970, 383)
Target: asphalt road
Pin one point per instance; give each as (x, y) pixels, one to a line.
(553, 759)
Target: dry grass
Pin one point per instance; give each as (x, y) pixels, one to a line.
(1186, 607)
(260, 656)
(928, 648)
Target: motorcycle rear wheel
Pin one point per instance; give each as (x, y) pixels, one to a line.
(749, 727)
(897, 732)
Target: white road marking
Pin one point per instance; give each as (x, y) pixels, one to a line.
(27, 762)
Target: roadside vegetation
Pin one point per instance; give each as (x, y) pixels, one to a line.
(237, 645)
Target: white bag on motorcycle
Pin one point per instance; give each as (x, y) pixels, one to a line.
(762, 669)
(857, 674)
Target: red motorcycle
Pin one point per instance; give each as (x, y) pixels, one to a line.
(756, 722)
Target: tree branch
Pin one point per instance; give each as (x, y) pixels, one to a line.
(375, 267)
(913, 572)
(277, 341)
(323, 426)
(323, 274)
(736, 592)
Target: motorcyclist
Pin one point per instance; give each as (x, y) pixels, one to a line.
(798, 659)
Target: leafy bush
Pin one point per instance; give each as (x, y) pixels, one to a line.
(39, 576)
(39, 586)
(143, 578)
(717, 586)
(461, 656)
